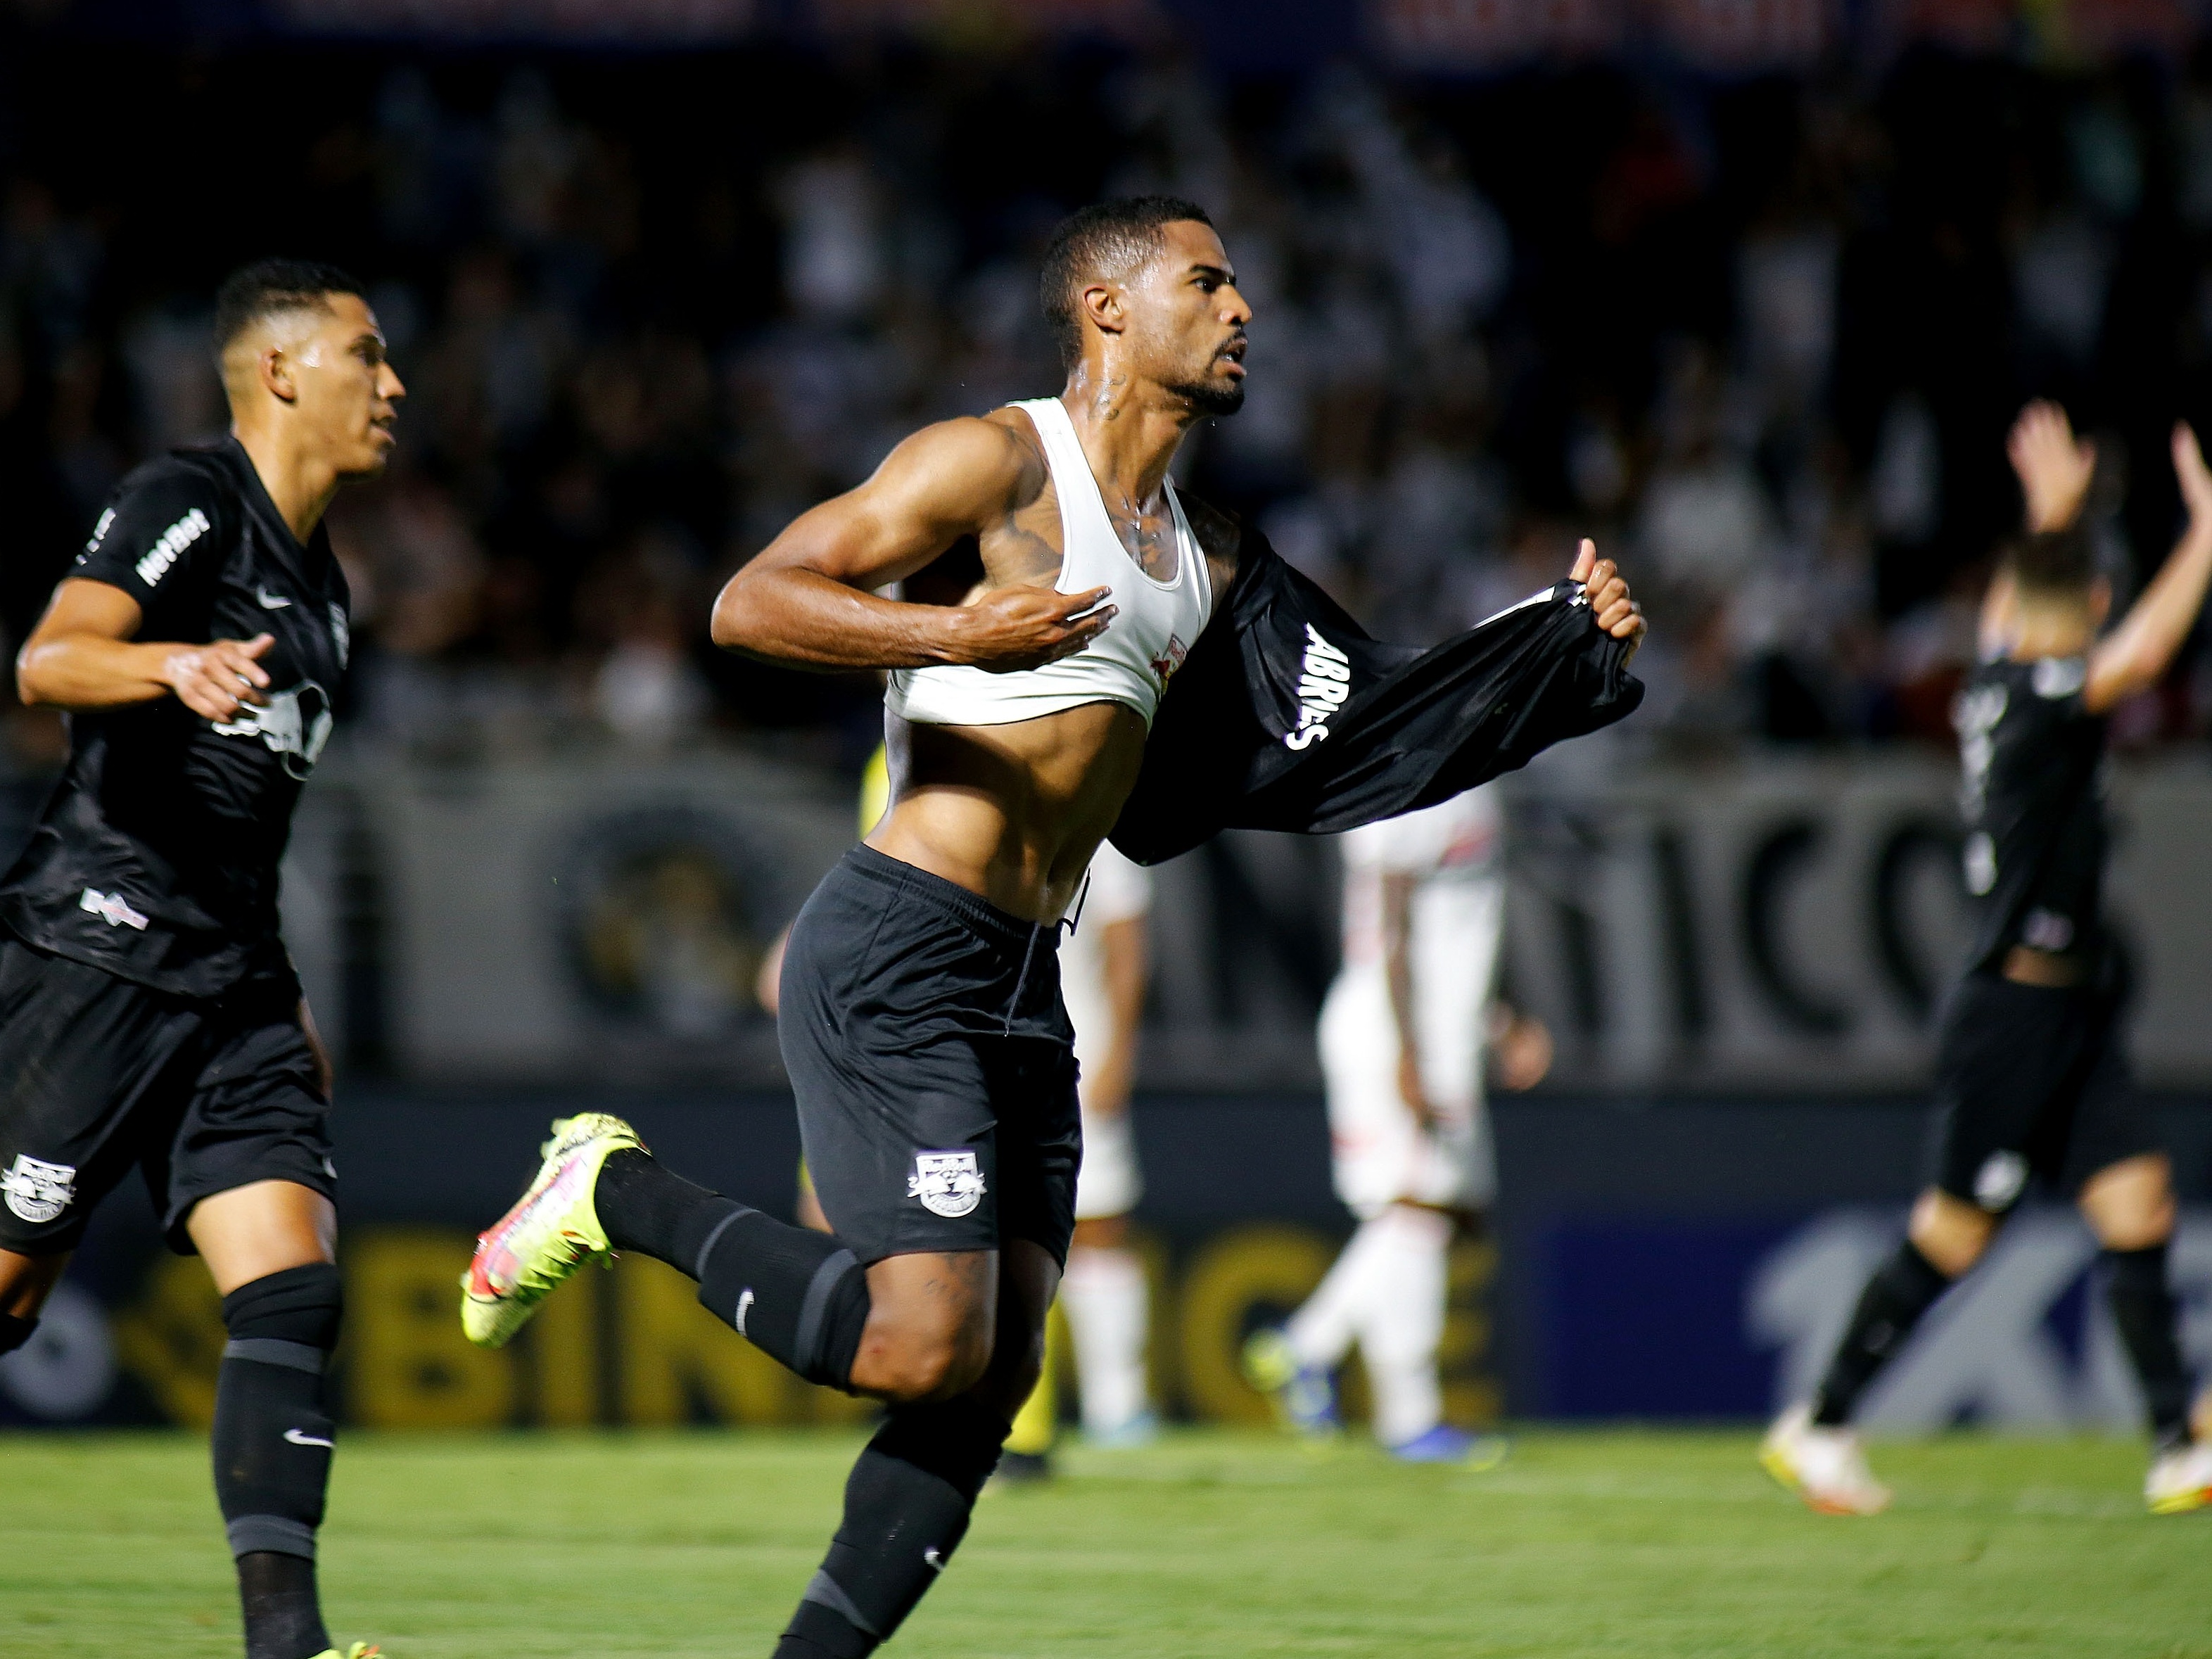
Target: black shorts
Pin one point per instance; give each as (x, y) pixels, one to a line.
(97, 1075)
(2031, 1081)
(933, 1063)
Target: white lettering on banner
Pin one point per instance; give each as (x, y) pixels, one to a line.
(1986, 1350)
(1324, 685)
(111, 909)
(173, 541)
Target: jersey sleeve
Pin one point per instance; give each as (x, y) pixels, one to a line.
(1120, 890)
(153, 535)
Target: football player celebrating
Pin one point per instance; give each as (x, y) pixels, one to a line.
(2030, 1076)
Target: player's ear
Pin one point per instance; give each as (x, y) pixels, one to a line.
(1102, 304)
(275, 372)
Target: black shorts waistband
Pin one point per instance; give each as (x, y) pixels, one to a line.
(910, 881)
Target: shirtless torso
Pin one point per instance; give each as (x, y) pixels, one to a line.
(1012, 812)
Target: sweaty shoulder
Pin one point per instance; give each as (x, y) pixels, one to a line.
(163, 520)
(965, 471)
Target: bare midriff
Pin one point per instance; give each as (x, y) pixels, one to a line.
(1013, 813)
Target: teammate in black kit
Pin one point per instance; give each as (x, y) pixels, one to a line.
(148, 1012)
(2029, 1071)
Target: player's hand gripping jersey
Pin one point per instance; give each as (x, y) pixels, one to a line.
(156, 857)
(2032, 799)
(1286, 715)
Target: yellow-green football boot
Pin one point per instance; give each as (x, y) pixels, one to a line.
(358, 1650)
(549, 1233)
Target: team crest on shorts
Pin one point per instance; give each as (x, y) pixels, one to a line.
(948, 1183)
(37, 1191)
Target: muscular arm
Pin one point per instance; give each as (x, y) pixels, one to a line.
(82, 656)
(1124, 955)
(806, 599)
(2135, 656)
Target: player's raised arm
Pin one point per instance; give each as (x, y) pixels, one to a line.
(806, 600)
(2135, 656)
(82, 655)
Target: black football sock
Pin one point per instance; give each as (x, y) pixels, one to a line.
(1905, 1287)
(15, 1332)
(907, 1505)
(283, 1612)
(2144, 1309)
(646, 1207)
(272, 1444)
(798, 1295)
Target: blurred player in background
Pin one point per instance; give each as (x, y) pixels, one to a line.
(149, 1014)
(2030, 1074)
(1103, 1295)
(1403, 1036)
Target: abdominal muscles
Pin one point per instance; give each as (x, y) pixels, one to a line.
(1012, 812)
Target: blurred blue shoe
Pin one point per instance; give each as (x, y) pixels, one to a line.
(1303, 1396)
(1446, 1444)
(1140, 1430)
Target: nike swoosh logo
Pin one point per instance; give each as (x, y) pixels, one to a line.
(299, 1439)
(932, 1560)
(271, 601)
(745, 1307)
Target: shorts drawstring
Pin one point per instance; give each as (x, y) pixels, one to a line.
(1068, 921)
(1021, 980)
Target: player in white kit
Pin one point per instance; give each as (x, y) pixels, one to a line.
(1107, 1303)
(1403, 1036)
(1101, 979)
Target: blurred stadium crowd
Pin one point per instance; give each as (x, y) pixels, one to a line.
(1762, 336)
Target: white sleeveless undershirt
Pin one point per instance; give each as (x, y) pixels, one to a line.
(1155, 624)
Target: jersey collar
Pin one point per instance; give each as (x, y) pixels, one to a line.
(255, 494)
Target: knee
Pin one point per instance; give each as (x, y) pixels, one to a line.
(911, 1367)
(2139, 1227)
(1951, 1233)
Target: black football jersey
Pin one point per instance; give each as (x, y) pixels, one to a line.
(2032, 758)
(156, 856)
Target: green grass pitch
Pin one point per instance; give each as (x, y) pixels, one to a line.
(1212, 1545)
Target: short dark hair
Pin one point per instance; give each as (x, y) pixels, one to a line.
(2055, 562)
(269, 286)
(1113, 235)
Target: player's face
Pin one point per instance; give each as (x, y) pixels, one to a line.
(347, 392)
(1188, 319)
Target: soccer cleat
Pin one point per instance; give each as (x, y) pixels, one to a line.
(1446, 1444)
(1141, 1429)
(1303, 1396)
(1824, 1467)
(2179, 1480)
(550, 1232)
(358, 1650)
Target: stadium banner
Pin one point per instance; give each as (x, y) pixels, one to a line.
(1728, 37)
(583, 22)
(1675, 1260)
(1778, 925)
